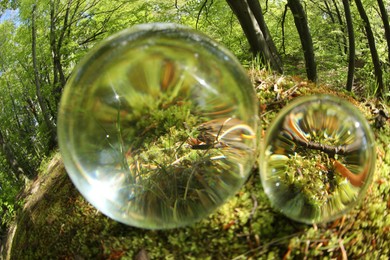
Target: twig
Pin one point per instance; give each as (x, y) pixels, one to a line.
(199, 13)
(342, 248)
(300, 139)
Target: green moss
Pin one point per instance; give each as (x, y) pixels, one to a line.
(56, 222)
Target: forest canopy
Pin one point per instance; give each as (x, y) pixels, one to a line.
(336, 42)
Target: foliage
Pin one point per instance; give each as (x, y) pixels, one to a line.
(8, 203)
(328, 29)
(75, 26)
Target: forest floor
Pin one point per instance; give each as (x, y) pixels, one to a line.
(55, 222)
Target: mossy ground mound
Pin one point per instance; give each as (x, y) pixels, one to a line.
(57, 223)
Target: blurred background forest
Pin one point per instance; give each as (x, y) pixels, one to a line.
(41, 42)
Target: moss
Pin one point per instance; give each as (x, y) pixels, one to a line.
(56, 222)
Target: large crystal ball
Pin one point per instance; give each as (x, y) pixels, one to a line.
(318, 159)
(157, 126)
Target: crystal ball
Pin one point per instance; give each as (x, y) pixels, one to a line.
(318, 159)
(158, 126)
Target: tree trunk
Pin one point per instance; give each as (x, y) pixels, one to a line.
(328, 10)
(14, 164)
(373, 50)
(257, 11)
(283, 30)
(305, 36)
(351, 45)
(258, 37)
(56, 41)
(50, 126)
(53, 47)
(386, 26)
(340, 19)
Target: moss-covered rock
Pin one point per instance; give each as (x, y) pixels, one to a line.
(57, 223)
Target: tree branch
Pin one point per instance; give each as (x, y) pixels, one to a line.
(200, 12)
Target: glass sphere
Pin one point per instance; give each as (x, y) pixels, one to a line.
(318, 159)
(157, 126)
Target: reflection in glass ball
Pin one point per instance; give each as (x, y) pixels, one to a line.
(158, 126)
(319, 159)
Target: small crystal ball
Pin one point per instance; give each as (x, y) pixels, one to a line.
(318, 159)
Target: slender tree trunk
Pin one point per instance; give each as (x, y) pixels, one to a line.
(56, 41)
(17, 168)
(305, 36)
(53, 47)
(63, 31)
(50, 126)
(328, 10)
(386, 26)
(257, 38)
(373, 50)
(340, 19)
(340, 25)
(257, 11)
(9, 87)
(351, 45)
(283, 30)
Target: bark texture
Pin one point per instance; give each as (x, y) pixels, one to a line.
(351, 45)
(373, 50)
(249, 14)
(302, 26)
